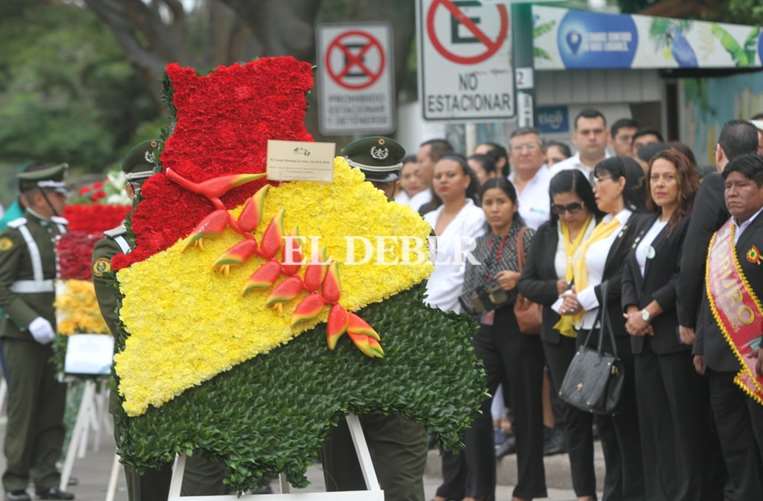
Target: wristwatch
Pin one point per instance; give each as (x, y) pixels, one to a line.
(645, 316)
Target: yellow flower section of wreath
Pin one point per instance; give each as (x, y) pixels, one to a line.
(187, 323)
(77, 309)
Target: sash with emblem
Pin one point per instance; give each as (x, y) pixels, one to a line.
(735, 307)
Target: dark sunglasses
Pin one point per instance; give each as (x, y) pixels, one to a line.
(571, 208)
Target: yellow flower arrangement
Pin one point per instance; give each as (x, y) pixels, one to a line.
(187, 323)
(77, 308)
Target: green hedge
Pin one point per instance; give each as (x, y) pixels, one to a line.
(270, 415)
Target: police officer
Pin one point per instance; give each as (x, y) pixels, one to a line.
(398, 445)
(36, 400)
(203, 476)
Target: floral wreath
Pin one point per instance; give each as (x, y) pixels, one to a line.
(223, 348)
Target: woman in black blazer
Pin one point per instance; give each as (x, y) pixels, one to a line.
(545, 277)
(618, 190)
(668, 390)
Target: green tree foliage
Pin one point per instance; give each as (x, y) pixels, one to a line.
(67, 93)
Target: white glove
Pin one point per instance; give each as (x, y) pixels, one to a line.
(41, 330)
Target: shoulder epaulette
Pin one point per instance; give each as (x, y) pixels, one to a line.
(59, 220)
(115, 232)
(17, 222)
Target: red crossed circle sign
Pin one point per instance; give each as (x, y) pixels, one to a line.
(354, 46)
(491, 46)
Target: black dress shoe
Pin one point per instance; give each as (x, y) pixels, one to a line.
(17, 495)
(54, 493)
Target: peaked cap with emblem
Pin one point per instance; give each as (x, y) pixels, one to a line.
(44, 176)
(380, 158)
(140, 162)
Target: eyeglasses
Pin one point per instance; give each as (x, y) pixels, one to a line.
(571, 208)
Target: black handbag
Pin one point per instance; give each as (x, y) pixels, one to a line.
(594, 379)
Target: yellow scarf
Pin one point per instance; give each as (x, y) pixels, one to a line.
(580, 269)
(565, 325)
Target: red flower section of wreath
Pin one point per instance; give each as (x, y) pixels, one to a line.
(283, 258)
(73, 251)
(223, 122)
(95, 218)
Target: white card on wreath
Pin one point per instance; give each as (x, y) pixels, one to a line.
(300, 161)
(90, 354)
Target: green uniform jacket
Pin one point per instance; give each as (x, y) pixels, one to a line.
(105, 280)
(17, 264)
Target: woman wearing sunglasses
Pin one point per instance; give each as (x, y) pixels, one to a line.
(547, 275)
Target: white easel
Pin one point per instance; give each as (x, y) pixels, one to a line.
(92, 415)
(374, 492)
(3, 394)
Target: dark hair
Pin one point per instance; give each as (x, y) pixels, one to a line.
(646, 152)
(573, 181)
(688, 184)
(409, 159)
(589, 113)
(623, 123)
(648, 132)
(563, 147)
(498, 152)
(438, 148)
(685, 151)
(634, 193)
(508, 188)
(486, 161)
(749, 165)
(738, 137)
(471, 189)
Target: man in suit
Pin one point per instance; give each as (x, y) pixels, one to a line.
(739, 417)
(737, 137)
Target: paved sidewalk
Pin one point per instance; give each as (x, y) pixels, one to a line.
(93, 475)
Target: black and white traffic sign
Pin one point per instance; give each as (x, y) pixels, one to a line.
(465, 68)
(355, 78)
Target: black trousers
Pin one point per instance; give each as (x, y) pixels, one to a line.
(516, 361)
(669, 398)
(577, 424)
(624, 477)
(739, 420)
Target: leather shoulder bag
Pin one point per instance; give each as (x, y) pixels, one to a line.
(529, 315)
(594, 379)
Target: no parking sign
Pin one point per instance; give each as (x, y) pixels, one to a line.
(465, 68)
(355, 79)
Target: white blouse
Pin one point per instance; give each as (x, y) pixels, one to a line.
(446, 282)
(596, 259)
(644, 250)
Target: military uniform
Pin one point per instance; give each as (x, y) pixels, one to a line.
(36, 399)
(398, 445)
(202, 476)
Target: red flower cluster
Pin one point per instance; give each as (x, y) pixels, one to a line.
(95, 218)
(93, 192)
(74, 250)
(223, 122)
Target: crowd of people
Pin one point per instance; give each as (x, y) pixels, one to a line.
(611, 242)
(622, 245)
